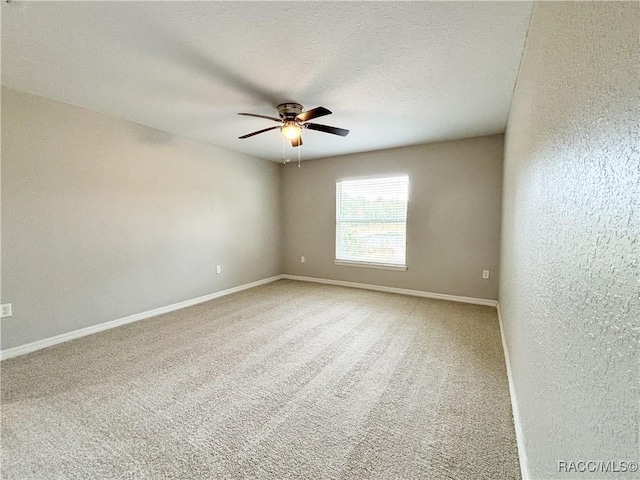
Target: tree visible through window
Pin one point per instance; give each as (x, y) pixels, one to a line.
(371, 220)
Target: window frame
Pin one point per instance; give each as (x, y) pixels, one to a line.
(366, 263)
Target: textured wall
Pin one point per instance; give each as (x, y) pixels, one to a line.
(453, 218)
(570, 236)
(103, 218)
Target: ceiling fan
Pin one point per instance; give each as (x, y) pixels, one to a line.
(293, 120)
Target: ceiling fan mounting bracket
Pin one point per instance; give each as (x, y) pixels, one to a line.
(289, 111)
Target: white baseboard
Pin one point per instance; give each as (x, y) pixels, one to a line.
(401, 291)
(522, 455)
(65, 337)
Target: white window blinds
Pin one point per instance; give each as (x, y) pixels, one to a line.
(371, 220)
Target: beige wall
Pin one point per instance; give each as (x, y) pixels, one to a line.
(103, 218)
(571, 237)
(453, 226)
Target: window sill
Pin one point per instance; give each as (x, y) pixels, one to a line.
(381, 266)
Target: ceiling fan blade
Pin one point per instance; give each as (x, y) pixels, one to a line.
(296, 142)
(313, 113)
(259, 131)
(279, 120)
(327, 129)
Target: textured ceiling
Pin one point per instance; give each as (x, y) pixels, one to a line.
(394, 73)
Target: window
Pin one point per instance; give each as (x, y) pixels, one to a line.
(371, 222)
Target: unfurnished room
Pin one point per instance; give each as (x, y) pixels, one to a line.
(320, 240)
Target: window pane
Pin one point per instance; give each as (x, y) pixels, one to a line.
(371, 220)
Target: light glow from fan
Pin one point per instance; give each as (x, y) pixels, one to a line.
(291, 130)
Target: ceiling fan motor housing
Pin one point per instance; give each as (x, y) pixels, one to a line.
(289, 111)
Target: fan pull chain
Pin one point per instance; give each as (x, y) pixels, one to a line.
(299, 148)
(284, 154)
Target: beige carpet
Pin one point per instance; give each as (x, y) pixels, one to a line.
(288, 380)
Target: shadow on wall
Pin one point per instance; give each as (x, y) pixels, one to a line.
(152, 136)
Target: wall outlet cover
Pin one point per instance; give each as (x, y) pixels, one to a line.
(6, 310)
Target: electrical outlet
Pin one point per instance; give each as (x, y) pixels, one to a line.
(302, 260)
(485, 274)
(218, 269)
(6, 310)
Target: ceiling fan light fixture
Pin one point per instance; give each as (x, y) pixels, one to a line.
(291, 130)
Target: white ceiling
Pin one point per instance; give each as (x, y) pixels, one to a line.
(394, 73)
